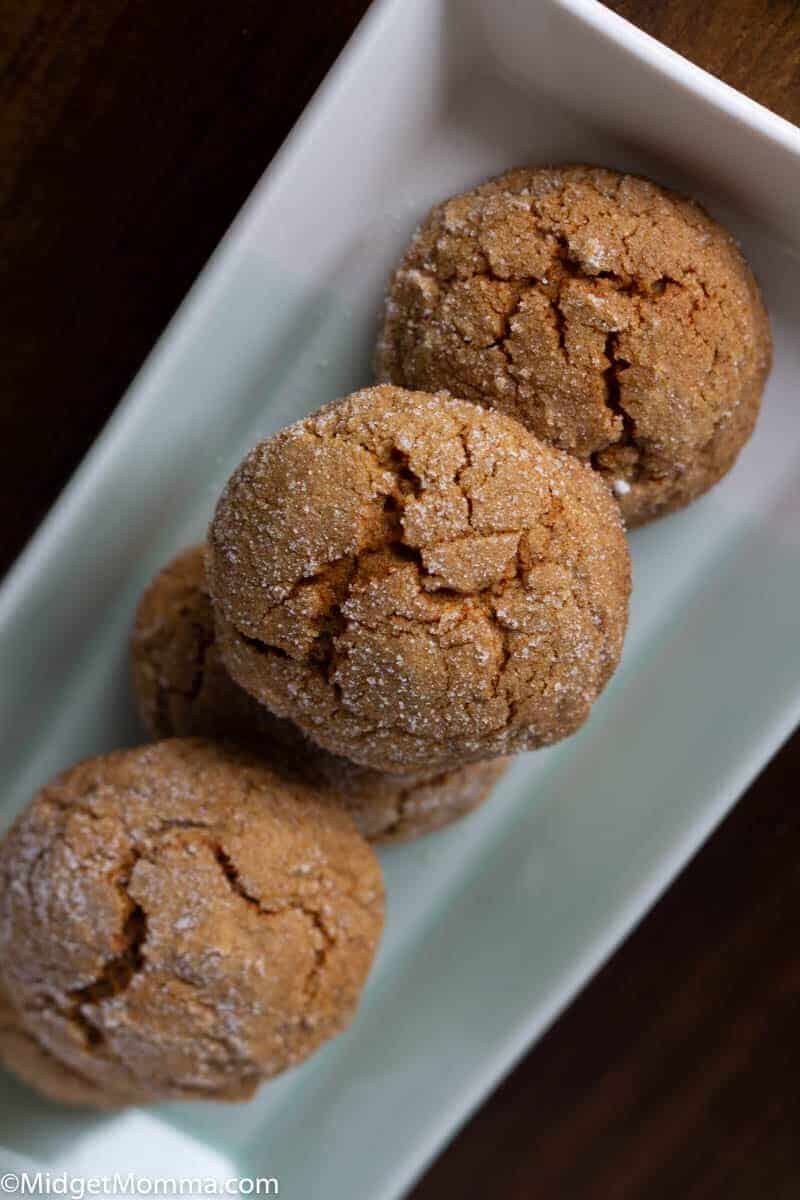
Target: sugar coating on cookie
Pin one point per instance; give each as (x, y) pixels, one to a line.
(21, 1054)
(183, 689)
(418, 583)
(176, 921)
(611, 316)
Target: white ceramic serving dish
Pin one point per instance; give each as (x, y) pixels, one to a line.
(495, 924)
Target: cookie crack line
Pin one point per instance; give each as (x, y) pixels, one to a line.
(613, 394)
(233, 878)
(117, 973)
(259, 645)
(402, 807)
(205, 640)
(501, 343)
(18, 1029)
(166, 690)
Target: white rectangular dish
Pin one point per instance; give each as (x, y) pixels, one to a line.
(495, 924)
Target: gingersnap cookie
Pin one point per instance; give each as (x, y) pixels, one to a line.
(614, 318)
(177, 921)
(182, 688)
(418, 583)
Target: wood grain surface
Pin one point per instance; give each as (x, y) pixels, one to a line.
(130, 133)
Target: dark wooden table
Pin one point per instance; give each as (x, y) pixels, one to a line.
(130, 132)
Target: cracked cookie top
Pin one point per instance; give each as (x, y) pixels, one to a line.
(611, 316)
(178, 921)
(182, 688)
(418, 583)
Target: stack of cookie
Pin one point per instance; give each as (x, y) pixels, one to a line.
(396, 594)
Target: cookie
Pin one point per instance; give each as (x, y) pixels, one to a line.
(177, 921)
(616, 319)
(418, 583)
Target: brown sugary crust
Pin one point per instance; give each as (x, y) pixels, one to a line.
(613, 317)
(399, 808)
(180, 683)
(418, 583)
(21, 1054)
(183, 689)
(177, 921)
